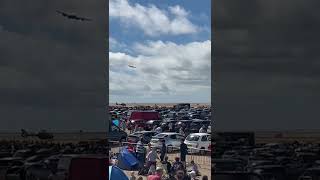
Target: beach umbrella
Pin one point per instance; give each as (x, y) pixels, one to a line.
(116, 173)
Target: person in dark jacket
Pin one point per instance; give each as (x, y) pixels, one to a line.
(163, 150)
(183, 153)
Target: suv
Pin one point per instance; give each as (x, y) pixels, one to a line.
(198, 143)
(172, 140)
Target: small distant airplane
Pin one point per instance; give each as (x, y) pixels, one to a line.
(41, 135)
(72, 16)
(131, 66)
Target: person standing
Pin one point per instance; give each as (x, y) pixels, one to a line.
(181, 131)
(135, 128)
(124, 125)
(140, 151)
(203, 129)
(183, 152)
(152, 157)
(170, 127)
(163, 150)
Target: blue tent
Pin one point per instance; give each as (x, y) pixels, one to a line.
(116, 122)
(127, 161)
(116, 173)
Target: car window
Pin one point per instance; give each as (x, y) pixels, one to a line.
(193, 138)
(173, 136)
(204, 138)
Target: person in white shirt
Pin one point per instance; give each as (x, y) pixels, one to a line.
(170, 127)
(152, 157)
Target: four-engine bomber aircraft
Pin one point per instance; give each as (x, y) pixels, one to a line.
(73, 16)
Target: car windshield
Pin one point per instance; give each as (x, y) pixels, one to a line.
(193, 138)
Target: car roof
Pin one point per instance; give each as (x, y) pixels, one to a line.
(141, 132)
(170, 133)
(199, 134)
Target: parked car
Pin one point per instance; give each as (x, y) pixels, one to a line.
(200, 141)
(172, 140)
(136, 122)
(197, 124)
(151, 123)
(81, 167)
(146, 136)
(144, 115)
(41, 169)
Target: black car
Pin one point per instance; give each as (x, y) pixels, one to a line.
(197, 124)
(146, 136)
(151, 123)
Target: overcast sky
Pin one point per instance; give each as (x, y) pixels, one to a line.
(52, 69)
(169, 43)
(266, 63)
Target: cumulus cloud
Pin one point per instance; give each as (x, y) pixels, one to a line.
(163, 68)
(152, 20)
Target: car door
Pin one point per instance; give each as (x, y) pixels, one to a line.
(173, 140)
(204, 142)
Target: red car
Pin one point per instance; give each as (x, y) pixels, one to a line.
(141, 117)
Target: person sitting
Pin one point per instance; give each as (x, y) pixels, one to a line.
(132, 177)
(157, 175)
(177, 165)
(180, 175)
(194, 167)
(193, 176)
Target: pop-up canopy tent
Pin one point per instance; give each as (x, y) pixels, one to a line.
(127, 161)
(116, 173)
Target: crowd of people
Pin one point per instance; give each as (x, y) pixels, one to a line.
(154, 161)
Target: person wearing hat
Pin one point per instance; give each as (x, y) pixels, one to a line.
(158, 174)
